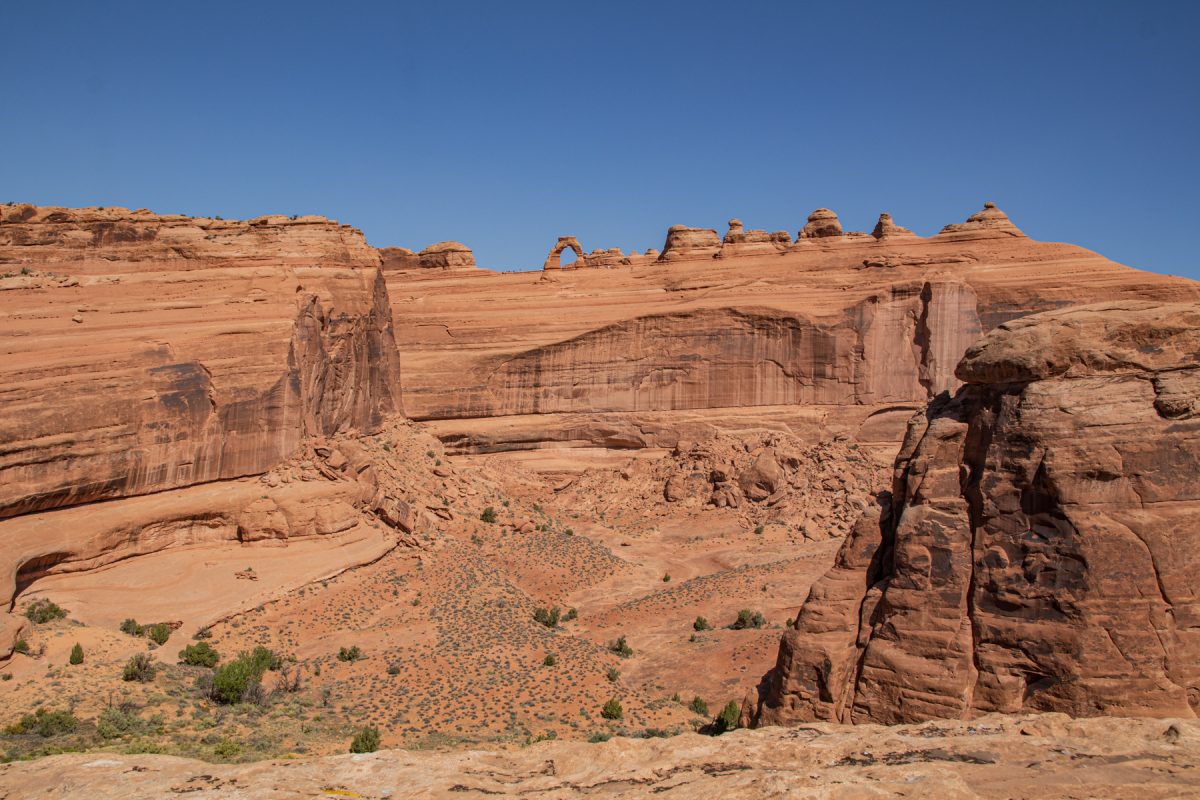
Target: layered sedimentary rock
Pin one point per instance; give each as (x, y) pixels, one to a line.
(886, 228)
(446, 255)
(821, 223)
(740, 242)
(1039, 549)
(187, 350)
(860, 330)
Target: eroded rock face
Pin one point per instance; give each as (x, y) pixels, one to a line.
(687, 244)
(990, 221)
(446, 255)
(821, 224)
(182, 350)
(885, 228)
(1040, 548)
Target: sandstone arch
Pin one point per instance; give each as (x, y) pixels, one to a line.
(553, 260)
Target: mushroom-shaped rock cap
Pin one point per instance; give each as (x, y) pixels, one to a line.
(989, 219)
(822, 223)
(885, 228)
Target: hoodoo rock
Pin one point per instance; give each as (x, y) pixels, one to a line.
(990, 221)
(446, 255)
(821, 224)
(686, 244)
(741, 242)
(1039, 549)
(885, 228)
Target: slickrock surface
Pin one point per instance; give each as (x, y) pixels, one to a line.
(852, 326)
(994, 757)
(1040, 549)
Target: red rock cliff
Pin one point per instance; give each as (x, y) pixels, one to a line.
(1040, 548)
(147, 352)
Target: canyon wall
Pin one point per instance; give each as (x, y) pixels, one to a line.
(857, 329)
(147, 352)
(1039, 547)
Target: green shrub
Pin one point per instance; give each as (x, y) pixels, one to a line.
(613, 674)
(140, 668)
(727, 720)
(612, 710)
(570, 615)
(549, 660)
(488, 515)
(76, 654)
(200, 654)
(44, 723)
(701, 624)
(21, 646)
(227, 748)
(131, 627)
(667, 578)
(366, 740)
(698, 706)
(42, 611)
(158, 633)
(350, 654)
(549, 618)
(621, 647)
(599, 736)
(115, 722)
(238, 680)
(748, 619)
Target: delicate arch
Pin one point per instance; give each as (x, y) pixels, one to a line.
(553, 261)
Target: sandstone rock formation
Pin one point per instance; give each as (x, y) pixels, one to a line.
(1039, 548)
(554, 260)
(446, 255)
(398, 258)
(741, 242)
(181, 352)
(1049, 758)
(885, 228)
(821, 223)
(689, 244)
(990, 220)
(842, 334)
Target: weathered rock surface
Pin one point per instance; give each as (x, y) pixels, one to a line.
(1039, 551)
(207, 350)
(836, 324)
(997, 756)
(885, 228)
(990, 221)
(446, 255)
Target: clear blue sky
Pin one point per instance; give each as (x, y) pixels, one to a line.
(505, 125)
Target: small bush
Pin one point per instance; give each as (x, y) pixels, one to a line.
(488, 515)
(158, 633)
(140, 668)
(350, 654)
(748, 619)
(393, 669)
(76, 655)
(115, 722)
(549, 618)
(41, 611)
(701, 624)
(621, 647)
(698, 706)
(366, 740)
(200, 654)
(239, 679)
(613, 674)
(667, 578)
(227, 748)
(612, 710)
(131, 627)
(599, 736)
(44, 723)
(570, 615)
(549, 660)
(727, 720)
(21, 646)
(263, 659)
(760, 529)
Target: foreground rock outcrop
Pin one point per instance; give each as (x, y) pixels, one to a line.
(1039, 548)
(1047, 757)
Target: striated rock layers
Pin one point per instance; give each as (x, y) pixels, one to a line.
(187, 350)
(857, 331)
(1040, 547)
